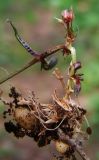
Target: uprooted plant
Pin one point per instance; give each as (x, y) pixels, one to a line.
(61, 120)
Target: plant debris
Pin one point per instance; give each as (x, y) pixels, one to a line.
(44, 122)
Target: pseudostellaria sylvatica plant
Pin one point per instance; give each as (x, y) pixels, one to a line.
(61, 120)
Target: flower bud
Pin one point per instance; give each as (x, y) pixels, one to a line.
(67, 16)
(77, 66)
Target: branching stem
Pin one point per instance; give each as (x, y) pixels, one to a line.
(33, 61)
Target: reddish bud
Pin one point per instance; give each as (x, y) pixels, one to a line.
(77, 65)
(67, 16)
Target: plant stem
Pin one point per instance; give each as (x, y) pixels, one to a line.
(33, 61)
